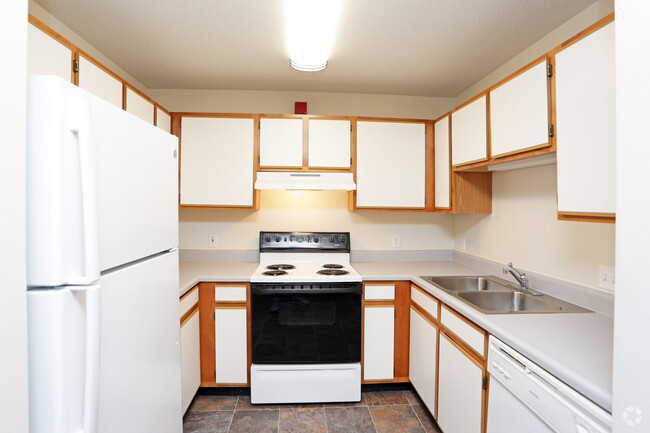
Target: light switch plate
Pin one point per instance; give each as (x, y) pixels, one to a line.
(212, 241)
(397, 241)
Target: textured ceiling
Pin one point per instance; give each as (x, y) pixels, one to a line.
(408, 47)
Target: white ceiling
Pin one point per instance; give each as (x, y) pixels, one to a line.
(407, 47)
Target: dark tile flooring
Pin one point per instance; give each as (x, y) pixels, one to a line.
(378, 411)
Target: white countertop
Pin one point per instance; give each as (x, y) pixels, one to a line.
(577, 348)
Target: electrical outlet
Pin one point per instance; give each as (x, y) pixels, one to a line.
(461, 244)
(212, 241)
(397, 242)
(606, 277)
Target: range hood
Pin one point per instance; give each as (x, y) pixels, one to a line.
(305, 180)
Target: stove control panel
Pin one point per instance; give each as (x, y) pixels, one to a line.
(305, 241)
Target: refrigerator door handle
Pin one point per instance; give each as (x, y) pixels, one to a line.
(91, 362)
(81, 125)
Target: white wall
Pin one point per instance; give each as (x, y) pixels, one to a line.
(282, 102)
(314, 211)
(13, 295)
(523, 229)
(584, 19)
(632, 323)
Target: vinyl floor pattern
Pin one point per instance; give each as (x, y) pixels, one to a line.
(378, 411)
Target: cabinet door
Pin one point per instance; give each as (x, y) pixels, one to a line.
(163, 120)
(139, 106)
(99, 82)
(391, 165)
(190, 359)
(280, 142)
(378, 343)
(231, 341)
(586, 124)
(422, 358)
(469, 133)
(442, 176)
(460, 389)
(217, 161)
(329, 143)
(519, 113)
(46, 55)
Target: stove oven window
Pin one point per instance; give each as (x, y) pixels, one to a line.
(302, 327)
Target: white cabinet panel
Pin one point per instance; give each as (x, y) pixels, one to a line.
(231, 345)
(519, 112)
(469, 132)
(422, 358)
(163, 120)
(442, 175)
(460, 390)
(378, 342)
(190, 359)
(99, 82)
(46, 55)
(391, 164)
(329, 143)
(470, 335)
(427, 303)
(379, 291)
(230, 293)
(586, 124)
(281, 142)
(139, 106)
(217, 161)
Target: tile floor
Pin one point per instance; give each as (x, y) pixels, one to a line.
(378, 411)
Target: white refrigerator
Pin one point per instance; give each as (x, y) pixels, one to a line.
(102, 266)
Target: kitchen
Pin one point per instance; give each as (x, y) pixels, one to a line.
(558, 245)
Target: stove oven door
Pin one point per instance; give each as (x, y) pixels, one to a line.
(299, 324)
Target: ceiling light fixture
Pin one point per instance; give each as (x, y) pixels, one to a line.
(310, 32)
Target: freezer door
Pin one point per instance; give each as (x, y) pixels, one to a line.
(140, 370)
(102, 185)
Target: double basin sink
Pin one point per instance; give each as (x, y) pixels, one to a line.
(492, 295)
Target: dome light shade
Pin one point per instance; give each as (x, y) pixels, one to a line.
(310, 32)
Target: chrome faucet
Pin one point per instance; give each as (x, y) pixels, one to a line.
(521, 278)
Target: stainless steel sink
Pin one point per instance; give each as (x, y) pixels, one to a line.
(513, 301)
(472, 283)
(492, 295)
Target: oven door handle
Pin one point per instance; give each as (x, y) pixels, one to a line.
(289, 291)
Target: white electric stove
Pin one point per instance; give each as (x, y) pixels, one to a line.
(306, 320)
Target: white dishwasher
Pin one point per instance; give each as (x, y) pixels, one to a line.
(525, 398)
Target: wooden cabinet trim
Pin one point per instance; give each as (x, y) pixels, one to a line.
(587, 217)
(207, 333)
(586, 32)
(467, 351)
(426, 316)
(187, 316)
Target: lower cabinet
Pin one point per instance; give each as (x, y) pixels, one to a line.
(460, 389)
(190, 347)
(422, 357)
(378, 342)
(231, 345)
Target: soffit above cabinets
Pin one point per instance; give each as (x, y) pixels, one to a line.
(418, 47)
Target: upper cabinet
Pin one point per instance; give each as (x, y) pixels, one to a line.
(216, 165)
(586, 125)
(391, 165)
(138, 105)
(163, 120)
(469, 132)
(280, 142)
(98, 81)
(303, 143)
(47, 55)
(329, 143)
(519, 113)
